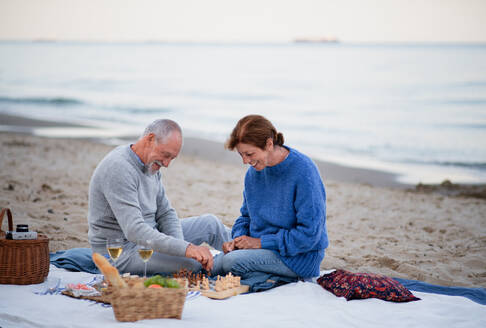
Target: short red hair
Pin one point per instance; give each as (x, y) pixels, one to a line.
(254, 130)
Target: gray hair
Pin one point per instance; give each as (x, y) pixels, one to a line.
(162, 129)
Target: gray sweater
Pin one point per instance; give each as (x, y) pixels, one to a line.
(126, 202)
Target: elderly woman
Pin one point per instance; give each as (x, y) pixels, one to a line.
(281, 233)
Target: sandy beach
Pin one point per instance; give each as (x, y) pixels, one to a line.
(380, 227)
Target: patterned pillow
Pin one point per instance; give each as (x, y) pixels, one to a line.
(365, 285)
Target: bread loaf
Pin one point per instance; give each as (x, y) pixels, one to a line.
(100, 261)
(109, 271)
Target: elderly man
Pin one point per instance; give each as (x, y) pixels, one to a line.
(127, 200)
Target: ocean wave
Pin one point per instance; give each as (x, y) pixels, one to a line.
(52, 101)
(473, 84)
(63, 101)
(232, 96)
(481, 166)
(468, 165)
(456, 101)
(474, 126)
(477, 101)
(139, 110)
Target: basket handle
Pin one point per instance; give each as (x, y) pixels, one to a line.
(10, 221)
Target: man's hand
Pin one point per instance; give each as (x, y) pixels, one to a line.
(200, 254)
(229, 246)
(245, 242)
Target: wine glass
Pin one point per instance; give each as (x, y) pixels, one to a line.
(145, 251)
(115, 248)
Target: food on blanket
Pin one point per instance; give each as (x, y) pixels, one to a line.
(129, 275)
(82, 290)
(171, 283)
(110, 272)
(162, 282)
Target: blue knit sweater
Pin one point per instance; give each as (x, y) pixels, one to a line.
(285, 206)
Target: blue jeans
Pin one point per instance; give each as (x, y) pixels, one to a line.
(259, 268)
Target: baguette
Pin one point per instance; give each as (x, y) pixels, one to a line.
(100, 261)
(109, 271)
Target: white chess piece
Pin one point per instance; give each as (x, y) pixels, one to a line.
(205, 283)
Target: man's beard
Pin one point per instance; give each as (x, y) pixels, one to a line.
(150, 170)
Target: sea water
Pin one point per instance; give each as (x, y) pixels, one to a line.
(418, 110)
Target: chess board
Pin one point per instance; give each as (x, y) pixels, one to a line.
(222, 294)
(216, 288)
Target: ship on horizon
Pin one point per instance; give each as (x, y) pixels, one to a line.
(317, 40)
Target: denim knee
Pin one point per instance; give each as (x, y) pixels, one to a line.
(232, 262)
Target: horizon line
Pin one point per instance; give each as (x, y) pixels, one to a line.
(302, 41)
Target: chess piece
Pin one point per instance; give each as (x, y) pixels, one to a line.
(205, 283)
(218, 286)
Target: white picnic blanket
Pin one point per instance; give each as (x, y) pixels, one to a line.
(302, 304)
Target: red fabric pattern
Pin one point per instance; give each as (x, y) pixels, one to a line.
(352, 286)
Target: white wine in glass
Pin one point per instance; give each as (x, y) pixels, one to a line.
(145, 252)
(115, 248)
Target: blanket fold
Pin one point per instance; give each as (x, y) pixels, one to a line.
(477, 295)
(74, 259)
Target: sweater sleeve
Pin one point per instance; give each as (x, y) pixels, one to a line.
(166, 217)
(242, 224)
(122, 196)
(310, 207)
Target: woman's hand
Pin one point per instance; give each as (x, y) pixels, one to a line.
(229, 246)
(245, 242)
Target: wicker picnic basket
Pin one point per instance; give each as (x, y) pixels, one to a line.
(132, 303)
(22, 262)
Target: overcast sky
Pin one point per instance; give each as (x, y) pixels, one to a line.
(245, 20)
